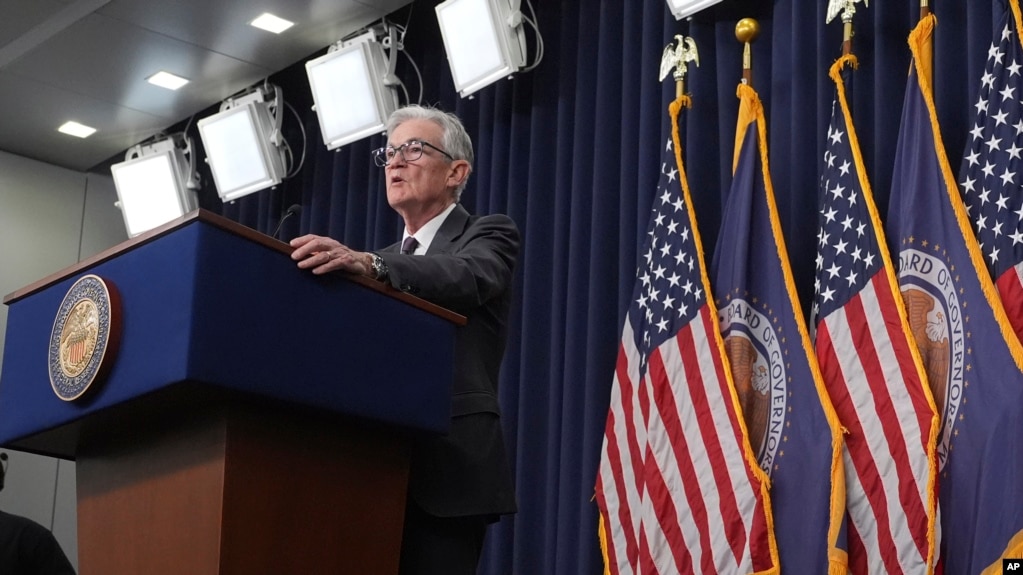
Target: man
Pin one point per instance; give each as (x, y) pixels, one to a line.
(459, 482)
(26, 547)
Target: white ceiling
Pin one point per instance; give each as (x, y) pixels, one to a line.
(87, 60)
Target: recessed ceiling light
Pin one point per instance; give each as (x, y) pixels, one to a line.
(167, 80)
(271, 23)
(76, 129)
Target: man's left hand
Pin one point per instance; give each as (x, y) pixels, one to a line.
(322, 255)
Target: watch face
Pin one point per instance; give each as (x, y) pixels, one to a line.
(379, 267)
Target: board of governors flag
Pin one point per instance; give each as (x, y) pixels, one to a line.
(871, 367)
(677, 489)
(972, 356)
(992, 168)
(793, 430)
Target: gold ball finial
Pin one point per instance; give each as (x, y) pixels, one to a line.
(747, 30)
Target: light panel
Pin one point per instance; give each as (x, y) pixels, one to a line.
(683, 8)
(75, 129)
(167, 80)
(271, 23)
(350, 92)
(152, 188)
(483, 39)
(241, 150)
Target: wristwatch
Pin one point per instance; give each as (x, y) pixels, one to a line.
(379, 267)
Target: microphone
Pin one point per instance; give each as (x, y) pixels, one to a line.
(294, 209)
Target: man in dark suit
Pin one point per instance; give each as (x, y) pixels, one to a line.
(458, 482)
(26, 547)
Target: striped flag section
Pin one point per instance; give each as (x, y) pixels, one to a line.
(992, 170)
(970, 351)
(871, 368)
(677, 487)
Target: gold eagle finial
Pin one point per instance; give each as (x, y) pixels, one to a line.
(676, 55)
(847, 8)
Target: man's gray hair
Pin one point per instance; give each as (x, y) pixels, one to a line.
(456, 140)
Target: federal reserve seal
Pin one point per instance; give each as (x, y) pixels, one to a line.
(936, 319)
(754, 351)
(85, 336)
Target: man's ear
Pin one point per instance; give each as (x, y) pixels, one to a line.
(458, 172)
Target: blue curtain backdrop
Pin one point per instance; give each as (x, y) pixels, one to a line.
(571, 152)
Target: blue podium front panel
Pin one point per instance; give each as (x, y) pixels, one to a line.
(203, 306)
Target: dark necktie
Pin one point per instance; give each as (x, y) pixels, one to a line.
(409, 245)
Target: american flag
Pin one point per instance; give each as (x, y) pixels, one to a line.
(793, 429)
(972, 357)
(677, 488)
(992, 168)
(875, 381)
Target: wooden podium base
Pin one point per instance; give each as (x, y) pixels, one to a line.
(240, 491)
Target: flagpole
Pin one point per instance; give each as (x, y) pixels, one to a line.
(689, 54)
(847, 32)
(847, 8)
(927, 53)
(746, 31)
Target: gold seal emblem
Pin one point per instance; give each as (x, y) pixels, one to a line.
(85, 335)
(753, 346)
(78, 338)
(934, 307)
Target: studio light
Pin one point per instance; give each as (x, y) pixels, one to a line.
(682, 8)
(244, 146)
(156, 183)
(484, 41)
(353, 88)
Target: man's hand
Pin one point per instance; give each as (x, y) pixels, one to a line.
(323, 255)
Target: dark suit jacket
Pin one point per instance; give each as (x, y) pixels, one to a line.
(467, 269)
(28, 548)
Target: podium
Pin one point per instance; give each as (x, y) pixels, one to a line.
(256, 418)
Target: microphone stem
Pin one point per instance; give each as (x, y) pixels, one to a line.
(281, 223)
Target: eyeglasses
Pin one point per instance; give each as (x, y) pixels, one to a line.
(410, 151)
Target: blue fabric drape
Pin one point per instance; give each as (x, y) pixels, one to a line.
(570, 151)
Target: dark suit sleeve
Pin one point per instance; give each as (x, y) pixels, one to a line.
(465, 274)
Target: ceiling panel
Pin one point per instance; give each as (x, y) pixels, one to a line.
(87, 60)
(17, 16)
(111, 60)
(224, 26)
(30, 113)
